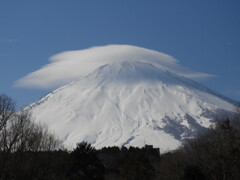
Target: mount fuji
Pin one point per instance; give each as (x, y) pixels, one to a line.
(130, 103)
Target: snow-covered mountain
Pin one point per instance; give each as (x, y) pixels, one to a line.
(129, 104)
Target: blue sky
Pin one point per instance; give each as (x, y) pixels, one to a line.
(202, 35)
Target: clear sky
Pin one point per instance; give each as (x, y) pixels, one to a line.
(203, 35)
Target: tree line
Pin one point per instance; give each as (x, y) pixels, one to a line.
(28, 150)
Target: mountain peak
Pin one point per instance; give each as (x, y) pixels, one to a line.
(128, 72)
(131, 104)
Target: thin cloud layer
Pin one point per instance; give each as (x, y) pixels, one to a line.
(69, 66)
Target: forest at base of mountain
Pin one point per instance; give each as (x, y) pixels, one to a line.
(214, 154)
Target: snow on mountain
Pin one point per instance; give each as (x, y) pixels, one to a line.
(129, 104)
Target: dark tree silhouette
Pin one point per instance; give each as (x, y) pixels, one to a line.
(136, 167)
(84, 163)
(19, 134)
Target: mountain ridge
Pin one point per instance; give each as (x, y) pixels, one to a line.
(131, 104)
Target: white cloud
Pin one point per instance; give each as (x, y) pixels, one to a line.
(68, 66)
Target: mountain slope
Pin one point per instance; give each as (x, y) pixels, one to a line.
(130, 104)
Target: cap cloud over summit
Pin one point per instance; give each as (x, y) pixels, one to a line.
(69, 66)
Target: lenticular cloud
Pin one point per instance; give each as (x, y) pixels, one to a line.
(69, 66)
